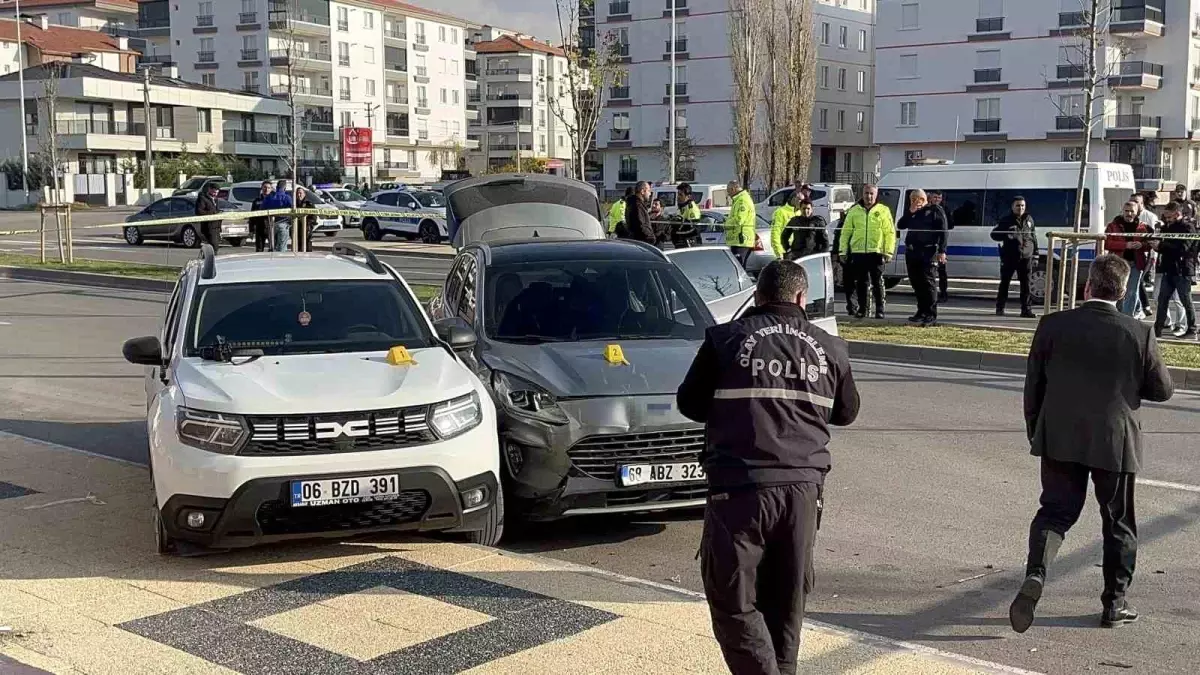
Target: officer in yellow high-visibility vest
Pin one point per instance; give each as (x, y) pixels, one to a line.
(685, 234)
(616, 214)
(783, 216)
(740, 226)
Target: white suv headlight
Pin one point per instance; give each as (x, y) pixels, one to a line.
(456, 416)
(215, 432)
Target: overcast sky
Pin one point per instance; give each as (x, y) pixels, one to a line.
(535, 17)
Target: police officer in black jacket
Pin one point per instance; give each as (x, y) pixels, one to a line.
(768, 385)
(924, 248)
(206, 205)
(1018, 254)
(261, 225)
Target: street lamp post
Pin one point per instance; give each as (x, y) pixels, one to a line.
(149, 129)
(671, 113)
(21, 85)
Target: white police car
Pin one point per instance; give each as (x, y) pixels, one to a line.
(293, 396)
(417, 214)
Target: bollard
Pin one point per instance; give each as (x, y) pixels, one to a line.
(1047, 302)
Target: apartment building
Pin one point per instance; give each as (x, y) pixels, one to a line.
(523, 99)
(100, 121)
(43, 42)
(114, 16)
(1000, 81)
(396, 68)
(634, 129)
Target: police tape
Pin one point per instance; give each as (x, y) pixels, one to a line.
(1141, 236)
(416, 216)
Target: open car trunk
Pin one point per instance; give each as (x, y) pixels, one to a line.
(513, 207)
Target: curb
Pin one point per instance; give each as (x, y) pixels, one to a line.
(1184, 378)
(87, 279)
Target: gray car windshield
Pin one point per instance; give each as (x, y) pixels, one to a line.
(566, 301)
(307, 317)
(430, 200)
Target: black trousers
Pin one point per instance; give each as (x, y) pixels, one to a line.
(1022, 267)
(756, 563)
(210, 233)
(943, 279)
(1175, 285)
(1064, 491)
(864, 268)
(922, 275)
(742, 253)
(262, 240)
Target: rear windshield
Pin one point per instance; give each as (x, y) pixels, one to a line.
(307, 317)
(843, 196)
(565, 301)
(246, 194)
(720, 198)
(466, 203)
(345, 196)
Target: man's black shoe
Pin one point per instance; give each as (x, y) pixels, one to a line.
(1115, 618)
(928, 322)
(879, 315)
(1026, 314)
(860, 315)
(999, 311)
(916, 318)
(1020, 613)
(1189, 334)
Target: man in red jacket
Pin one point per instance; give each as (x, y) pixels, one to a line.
(1135, 251)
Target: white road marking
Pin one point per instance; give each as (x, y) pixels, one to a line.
(1182, 487)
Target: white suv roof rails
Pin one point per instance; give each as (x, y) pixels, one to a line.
(352, 251)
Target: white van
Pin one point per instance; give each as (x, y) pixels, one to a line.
(706, 196)
(976, 196)
(830, 201)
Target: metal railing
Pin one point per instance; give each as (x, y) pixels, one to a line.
(681, 46)
(421, 71)
(618, 8)
(985, 75)
(344, 95)
(317, 127)
(312, 55)
(680, 89)
(1133, 122)
(1137, 13)
(77, 127)
(343, 26)
(397, 131)
(253, 88)
(621, 49)
(508, 71)
(396, 100)
(249, 136)
(249, 54)
(1151, 172)
(1071, 19)
(987, 125)
(1070, 72)
(343, 60)
(395, 33)
(206, 57)
(1069, 123)
(618, 135)
(992, 25)
(302, 90)
(205, 20)
(679, 4)
(383, 166)
(618, 92)
(247, 18)
(423, 134)
(398, 67)
(160, 59)
(503, 96)
(1127, 68)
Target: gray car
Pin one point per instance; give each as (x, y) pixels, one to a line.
(188, 234)
(583, 344)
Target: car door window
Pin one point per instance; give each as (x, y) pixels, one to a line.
(819, 300)
(466, 302)
(387, 199)
(170, 330)
(182, 207)
(713, 272)
(964, 208)
(160, 209)
(453, 288)
(780, 198)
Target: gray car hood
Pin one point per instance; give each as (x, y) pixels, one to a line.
(579, 369)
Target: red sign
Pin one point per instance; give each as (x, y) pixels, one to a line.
(356, 146)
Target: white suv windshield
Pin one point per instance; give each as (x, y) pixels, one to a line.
(591, 300)
(307, 317)
(430, 200)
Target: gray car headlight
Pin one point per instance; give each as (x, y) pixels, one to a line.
(456, 416)
(219, 433)
(528, 400)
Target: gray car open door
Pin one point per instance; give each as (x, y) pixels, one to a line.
(821, 293)
(515, 207)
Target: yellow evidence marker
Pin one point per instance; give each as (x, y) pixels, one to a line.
(614, 355)
(399, 356)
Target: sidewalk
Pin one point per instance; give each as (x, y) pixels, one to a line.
(82, 592)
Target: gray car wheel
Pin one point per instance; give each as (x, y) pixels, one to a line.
(429, 232)
(188, 237)
(133, 235)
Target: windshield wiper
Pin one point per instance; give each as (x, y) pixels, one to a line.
(531, 339)
(225, 352)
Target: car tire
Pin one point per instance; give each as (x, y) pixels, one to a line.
(188, 237)
(429, 232)
(133, 235)
(236, 242)
(493, 528)
(164, 545)
(370, 230)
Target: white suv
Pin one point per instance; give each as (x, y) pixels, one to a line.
(293, 396)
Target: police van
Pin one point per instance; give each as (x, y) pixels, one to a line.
(976, 196)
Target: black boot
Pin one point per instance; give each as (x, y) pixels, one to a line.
(1020, 613)
(1117, 616)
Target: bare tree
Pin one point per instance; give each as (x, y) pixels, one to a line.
(802, 69)
(789, 52)
(284, 14)
(747, 63)
(590, 71)
(53, 71)
(687, 151)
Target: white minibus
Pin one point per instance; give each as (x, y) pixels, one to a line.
(976, 196)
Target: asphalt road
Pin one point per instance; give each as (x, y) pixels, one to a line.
(928, 503)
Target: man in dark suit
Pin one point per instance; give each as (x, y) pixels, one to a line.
(1089, 371)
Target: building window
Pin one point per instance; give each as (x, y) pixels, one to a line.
(620, 127)
(848, 162)
(343, 53)
(1073, 153)
(453, 66)
(454, 97)
(908, 66)
(208, 79)
(541, 118)
(841, 120)
(250, 80)
(441, 33)
(347, 118)
(987, 109)
(862, 40)
(987, 65)
(825, 32)
(991, 156)
(823, 119)
(369, 20)
(860, 121)
(344, 88)
(862, 82)
(369, 54)
(204, 120)
(371, 88)
(343, 19)
(908, 114)
(1195, 159)
(910, 16)
(453, 36)
(441, 65)
(843, 36)
(824, 77)
(841, 79)
(627, 170)
(443, 96)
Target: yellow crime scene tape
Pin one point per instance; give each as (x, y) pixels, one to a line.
(241, 215)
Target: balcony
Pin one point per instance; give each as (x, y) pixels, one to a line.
(621, 52)
(422, 107)
(299, 21)
(317, 128)
(421, 74)
(1139, 21)
(986, 129)
(205, 23)
(1066, 76)
(252, 88)
(1067, 127)
(402, 132)
(469, 48)
(249, 57)
(1136, 75)
(988, 79)
(343, 26)
(302, 59)
(508, 96)
(619, 11)
(420, 44)
(1152, 176)
(510, 147)
(344, 95)
(509, 74)
(158, 59)
(619, 96)
(989, 29)
(396, 101)
(395, 34)
(302, 89)
(392, 166)
(250, 136)
(1132, 126)
(394, 67)
(681, 8)
(681, 93)
(153, 27)
(344, 60)
(248, 21)
(81, 127)
(472, 114)
(680, 52)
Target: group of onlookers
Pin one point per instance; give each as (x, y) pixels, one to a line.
(271, 233)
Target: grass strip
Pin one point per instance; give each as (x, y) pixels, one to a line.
(423, 292)
(981, 339)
